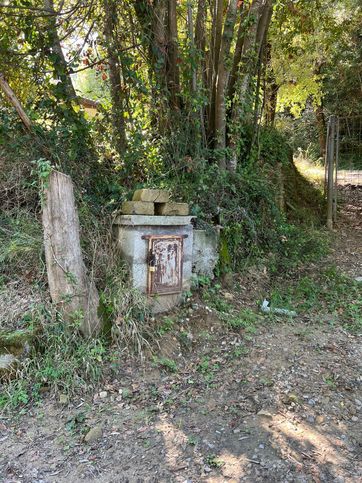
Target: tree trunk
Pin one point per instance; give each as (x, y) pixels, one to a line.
(190, 30)
(201, 73)
(214, 62)
(60, 64)
(271, 90)
(320, 118)
(237, 54)
(118, 101)
(9, 93)
(321, 124)
(173, 73)
(261, 10)
(70, 287)
(222, 75)
(253, 45)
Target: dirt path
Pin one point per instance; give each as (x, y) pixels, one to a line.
(280, 403)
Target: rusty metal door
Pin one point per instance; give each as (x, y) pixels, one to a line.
(165, 264)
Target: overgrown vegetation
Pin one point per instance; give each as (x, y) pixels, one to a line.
(60, 361)
(192, 110)
(330, 292)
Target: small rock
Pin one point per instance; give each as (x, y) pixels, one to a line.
(358, 279)
(63, 399)
(261, 446)
(228, 296)
(265, 414)
(311, 402)
(358, 402)
(311, 419)
(236, 431)
(207, 469)
(103, 394)
(93, 434)
(319, 419)
(354, 419)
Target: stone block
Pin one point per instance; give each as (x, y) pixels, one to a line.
(172, 209)
(205, 252)
(153, 196)
(138, 208)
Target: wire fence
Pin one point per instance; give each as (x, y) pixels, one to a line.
(343, 166)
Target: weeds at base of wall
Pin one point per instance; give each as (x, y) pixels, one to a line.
(127, 312)
(61, 361)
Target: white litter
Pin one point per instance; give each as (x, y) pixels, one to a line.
(269, 310)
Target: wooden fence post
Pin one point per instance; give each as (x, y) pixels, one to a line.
(70, 287)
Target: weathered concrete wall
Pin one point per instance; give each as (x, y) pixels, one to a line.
(130, 229)
(205, 254)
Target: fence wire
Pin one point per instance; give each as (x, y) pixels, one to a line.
(343, 161)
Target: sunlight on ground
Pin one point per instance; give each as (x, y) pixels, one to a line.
(299, 442)
(231, 466)
(314, 171)
(175, 442)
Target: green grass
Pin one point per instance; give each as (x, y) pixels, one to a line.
(21, 245)
(328, 292)
(60, 361)
(246, 319)
(165, 363)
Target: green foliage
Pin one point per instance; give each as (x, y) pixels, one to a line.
(296, 246)
(214, 462)
(21, 245)
(42, 169)
(212, 296)
(166, 325)
(165, 363)
(60, 360)
(274, 148)
(127, 312)
(246, 319)
(331, 292)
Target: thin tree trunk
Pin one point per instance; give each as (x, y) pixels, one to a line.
(9, 93)
(200, 26)
(215, 54)
(253, 46)
(60, 64)
(321, 124)
(173, 72)
(320, 118)
(118, 121)
(70, 287)
(271, 90)
(222, 75)
(200, 44)
(237, 54)
(190, 29)
(262, 12)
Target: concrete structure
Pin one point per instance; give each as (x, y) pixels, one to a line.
(158, 250)
(172, 209)
(151, 195)
(205, 252)
(138, 208)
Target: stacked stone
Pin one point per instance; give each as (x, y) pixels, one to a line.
(153, 202)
